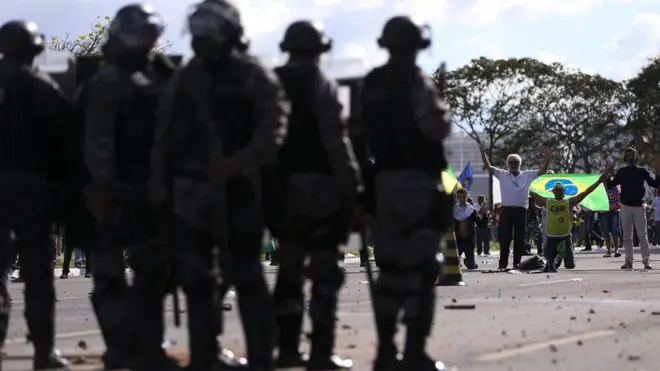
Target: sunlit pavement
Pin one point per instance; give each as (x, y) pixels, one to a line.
(593, 317)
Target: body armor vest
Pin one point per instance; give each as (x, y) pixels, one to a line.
(303, 150)
(232, 110)
(395, 139)
(134, 130)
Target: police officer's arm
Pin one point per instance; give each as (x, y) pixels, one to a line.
(540, 200)
(271, 110)
(431, 113)
(580, 196)
(105, 94)
(334, 135)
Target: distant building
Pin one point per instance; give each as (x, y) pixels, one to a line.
(461, 149)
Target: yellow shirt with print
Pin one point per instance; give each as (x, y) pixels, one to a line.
(560, 218)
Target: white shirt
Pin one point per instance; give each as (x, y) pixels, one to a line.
(656, 207)
(515, 189)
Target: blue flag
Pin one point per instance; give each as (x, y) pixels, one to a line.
(467, 177)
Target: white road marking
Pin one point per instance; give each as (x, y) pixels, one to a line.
(63, 335)
(531, 348)
(549, 282)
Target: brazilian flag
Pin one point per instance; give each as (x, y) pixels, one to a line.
(449, 180)
(574, 184)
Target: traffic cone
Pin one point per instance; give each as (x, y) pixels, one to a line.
(451, 274)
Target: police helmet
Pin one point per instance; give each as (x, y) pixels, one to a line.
(19, 37)
(219, 20)
(403, 33)
(305, 37)
(136, 26)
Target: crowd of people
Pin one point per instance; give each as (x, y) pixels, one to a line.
(630, 221)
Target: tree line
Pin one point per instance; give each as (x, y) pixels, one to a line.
(522, 104)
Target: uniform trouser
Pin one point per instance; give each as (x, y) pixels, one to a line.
(112, 298)
(327, 278)
(25, 210)
(634, 217)
(407, 241)
(255, 303)
(411, 290)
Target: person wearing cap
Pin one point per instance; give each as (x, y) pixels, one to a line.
(559, 221)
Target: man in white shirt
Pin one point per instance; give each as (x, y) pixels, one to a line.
(656, 219)
(514, 188)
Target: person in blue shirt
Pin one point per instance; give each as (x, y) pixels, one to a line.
(631, 179)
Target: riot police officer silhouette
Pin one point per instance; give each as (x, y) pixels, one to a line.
(407, 125)
(36, 120)
(120, 102)
(318, 178)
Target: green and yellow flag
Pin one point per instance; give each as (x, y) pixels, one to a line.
(574, 184)
(449, 180)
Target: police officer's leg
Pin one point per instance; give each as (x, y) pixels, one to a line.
(419, 312)
(327, 278)
(35, 251)
(150, 283)
(227, 360)
(289, 300)
(388, 301)
(254, 300)
(110, 299)
(420, 302)
(195, 264)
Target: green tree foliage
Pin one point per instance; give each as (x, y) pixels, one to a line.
(493, 97)
(90, 43)
(522, 105)
(643, 128)
(580, 115)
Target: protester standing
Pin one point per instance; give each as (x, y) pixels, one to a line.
(482, 228)
(514, 186)
(631, 178)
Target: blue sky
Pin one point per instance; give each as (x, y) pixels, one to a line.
(610, 37)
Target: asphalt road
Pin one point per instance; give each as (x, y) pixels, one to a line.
(593, 317)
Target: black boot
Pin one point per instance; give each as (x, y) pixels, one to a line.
(289, 327)
(332, 363)
(228, 361)
(52, 360)
(423, 363)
